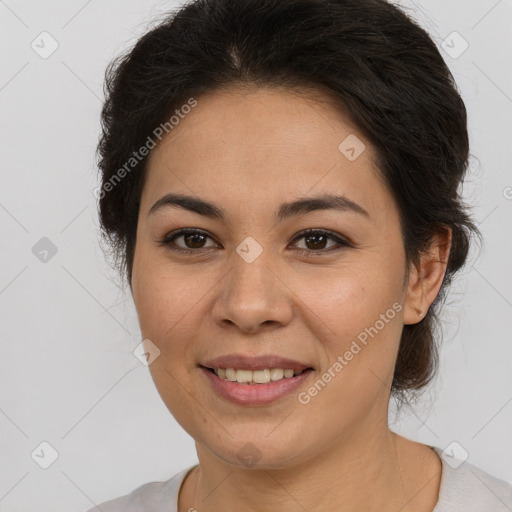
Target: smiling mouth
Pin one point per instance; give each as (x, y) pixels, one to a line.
(256, 377)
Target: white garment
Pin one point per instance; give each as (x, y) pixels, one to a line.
(465, 489)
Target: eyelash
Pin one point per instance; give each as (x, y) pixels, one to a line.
(169, 239)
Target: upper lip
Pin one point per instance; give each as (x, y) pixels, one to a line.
(246, 362)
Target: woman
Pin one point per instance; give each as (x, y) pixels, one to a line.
(280, 184)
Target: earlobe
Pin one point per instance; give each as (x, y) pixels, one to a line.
(414, 297)
(426, 278)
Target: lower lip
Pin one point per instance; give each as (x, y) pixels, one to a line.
(255, 394)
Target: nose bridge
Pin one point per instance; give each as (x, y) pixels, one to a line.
(252, 294)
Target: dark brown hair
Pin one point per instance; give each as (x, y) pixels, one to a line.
(379, 65)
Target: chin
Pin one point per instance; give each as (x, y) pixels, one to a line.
(253, 452)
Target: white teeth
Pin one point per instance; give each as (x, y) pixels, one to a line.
(276, 373)
(261, 376)
(243, 375)
(230, 374)
(256, 376)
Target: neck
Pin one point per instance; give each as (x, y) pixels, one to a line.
(372, 471)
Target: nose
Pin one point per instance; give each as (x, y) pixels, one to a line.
(253, 295)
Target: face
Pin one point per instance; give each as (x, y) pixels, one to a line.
(252, 283)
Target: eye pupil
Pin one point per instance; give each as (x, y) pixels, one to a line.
(195, 237)
(317, 245)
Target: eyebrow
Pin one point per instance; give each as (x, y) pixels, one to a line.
(286, 210)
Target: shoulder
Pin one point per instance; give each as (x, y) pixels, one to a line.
(150, 497)
(467, 488)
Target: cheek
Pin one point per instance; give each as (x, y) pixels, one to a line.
(358, 335)
(348, 300)
(355, 314)
(168, 318)
(163, 295)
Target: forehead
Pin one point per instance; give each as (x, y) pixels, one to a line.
(261, 143)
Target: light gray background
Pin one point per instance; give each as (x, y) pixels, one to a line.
(68, 375)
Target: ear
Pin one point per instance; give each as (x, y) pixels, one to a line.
(425, 280)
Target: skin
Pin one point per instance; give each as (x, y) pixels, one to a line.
(248, 151)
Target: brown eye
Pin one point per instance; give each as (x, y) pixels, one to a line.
(316, 241)
(193, 239)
